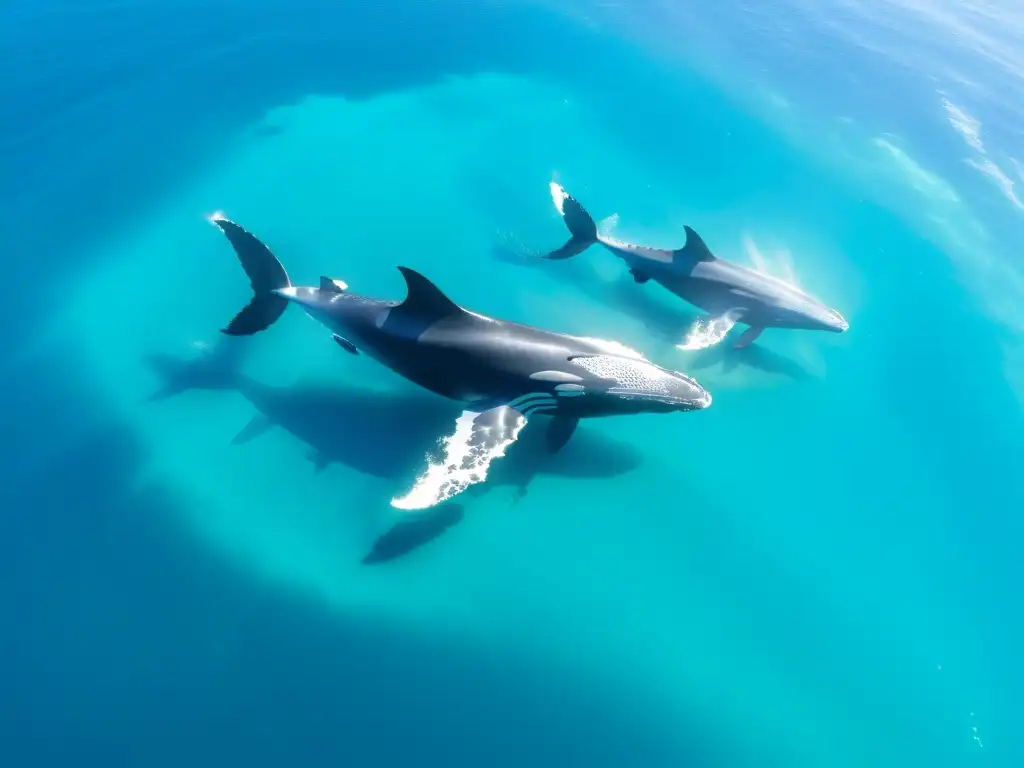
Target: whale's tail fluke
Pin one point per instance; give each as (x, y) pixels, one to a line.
(216, 367)
(266, 275)
(580, 223)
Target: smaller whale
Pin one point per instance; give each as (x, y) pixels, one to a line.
(723, 289)
(504, 372)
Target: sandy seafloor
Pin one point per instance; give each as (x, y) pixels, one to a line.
(813, 572)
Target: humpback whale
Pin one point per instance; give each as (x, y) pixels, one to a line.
(503, 372)
(721, 288)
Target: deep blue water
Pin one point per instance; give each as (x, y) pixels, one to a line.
(820, 570)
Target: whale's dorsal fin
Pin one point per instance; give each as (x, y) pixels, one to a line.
(330, 285)
(695, 247)
(425, 300)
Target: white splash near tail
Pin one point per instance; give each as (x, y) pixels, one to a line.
(607, 225)
(706, 332)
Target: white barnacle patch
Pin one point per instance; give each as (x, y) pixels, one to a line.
(479, 439)
(629, 375)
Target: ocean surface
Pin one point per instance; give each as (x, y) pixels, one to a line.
(822, 570)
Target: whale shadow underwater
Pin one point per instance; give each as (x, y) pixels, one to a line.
(667, 323)
(752, 356)
(384, 435)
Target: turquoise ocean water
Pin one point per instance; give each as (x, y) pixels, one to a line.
(822, 569)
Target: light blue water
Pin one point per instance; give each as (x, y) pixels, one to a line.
(819, 570)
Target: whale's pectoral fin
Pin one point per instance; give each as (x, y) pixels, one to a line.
(167, 391)
(479, 438)
(638, 276)
(559, 433)
(345, 344)
(710, 330)
(257, 425)
(748, 337)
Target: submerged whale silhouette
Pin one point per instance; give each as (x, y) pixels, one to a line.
(380, 434)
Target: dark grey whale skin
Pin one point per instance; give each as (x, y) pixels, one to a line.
(460, 354)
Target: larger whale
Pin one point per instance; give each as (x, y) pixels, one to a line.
(721, 288)
(505, 372)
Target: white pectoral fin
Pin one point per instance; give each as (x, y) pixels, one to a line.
(707, 331)
(479, 438)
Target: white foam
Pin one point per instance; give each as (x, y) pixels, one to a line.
(607, 225)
